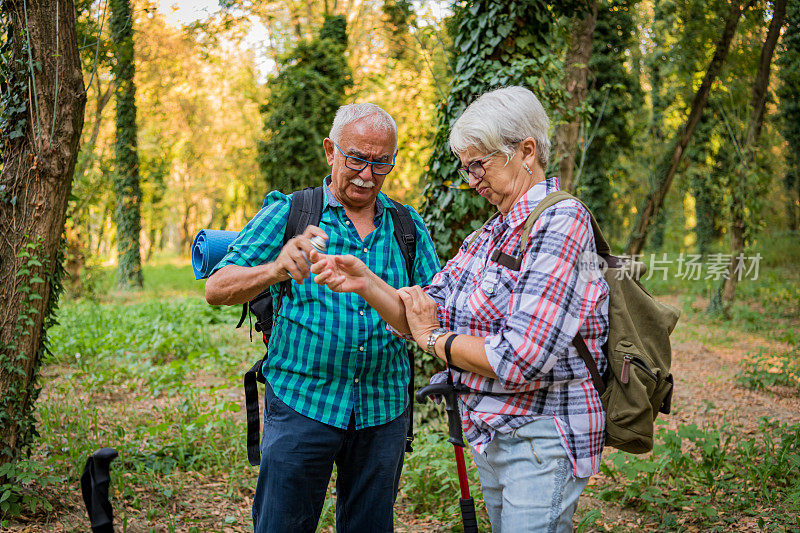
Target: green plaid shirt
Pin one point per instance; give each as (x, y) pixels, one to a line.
(330, 354)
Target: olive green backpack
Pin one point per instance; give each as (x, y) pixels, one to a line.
(637, 384)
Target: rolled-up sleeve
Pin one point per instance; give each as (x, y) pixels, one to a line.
(550, 301)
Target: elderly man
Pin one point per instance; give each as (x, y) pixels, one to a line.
(336, 377)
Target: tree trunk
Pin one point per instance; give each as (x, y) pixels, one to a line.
(126, 179)
(758, 103)
(666, 170)
(39, 148)
(577, 69)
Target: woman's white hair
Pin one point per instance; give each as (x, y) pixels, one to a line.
(499, 120)
(372, 114)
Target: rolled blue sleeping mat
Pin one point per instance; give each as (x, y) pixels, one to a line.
(208, 249)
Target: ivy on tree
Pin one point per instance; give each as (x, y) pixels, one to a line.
(789, 106)
(303, 100)
(614, 99)
(495, 44)
(126, 176)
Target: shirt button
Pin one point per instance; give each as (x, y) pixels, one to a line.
(361, 312)
(347, 222)
(360, 348)
(356, 380)
(365, 250)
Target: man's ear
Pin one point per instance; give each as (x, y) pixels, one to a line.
(329, 150)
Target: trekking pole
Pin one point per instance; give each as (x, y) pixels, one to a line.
(95, 483)
(456, 438)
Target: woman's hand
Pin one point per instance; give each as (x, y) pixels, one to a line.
(341, 273)
(421, 313)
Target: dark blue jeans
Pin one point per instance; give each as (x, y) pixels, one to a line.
(297, 458)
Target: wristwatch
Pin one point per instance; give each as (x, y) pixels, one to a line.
(433, 337)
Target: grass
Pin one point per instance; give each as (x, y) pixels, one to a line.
(157, 375)
(715, 475)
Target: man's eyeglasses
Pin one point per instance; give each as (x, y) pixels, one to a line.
(475, 168)
(356, 163)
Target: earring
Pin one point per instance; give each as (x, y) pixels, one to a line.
(527, 168)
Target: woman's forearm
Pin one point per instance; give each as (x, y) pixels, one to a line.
(384, 299)
(467, 353)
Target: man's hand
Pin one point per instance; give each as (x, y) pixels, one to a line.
(341, 273)
(421, 313)
(290, 262)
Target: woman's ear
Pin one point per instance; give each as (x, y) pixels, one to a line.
(527, 150)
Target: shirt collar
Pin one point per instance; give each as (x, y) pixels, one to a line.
(524, 207)
(331, 201)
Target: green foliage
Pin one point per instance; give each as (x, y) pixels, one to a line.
(430, 480)
(615, 101)
(126, 176)
(765, 370)
(133, 374)
(706, 179)
(789, 94)
(495, 44)
(95, 46)
(398, 14)
(685, 36)
(303, 100)
(19, 396)
(18, 481)
(155, 172)
(154, 338)
(13, 92)
(712, 476)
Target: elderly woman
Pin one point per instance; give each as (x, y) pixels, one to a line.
(530, 411)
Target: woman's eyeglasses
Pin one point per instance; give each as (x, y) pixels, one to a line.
(475, 168)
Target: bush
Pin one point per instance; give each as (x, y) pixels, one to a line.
(712, 475)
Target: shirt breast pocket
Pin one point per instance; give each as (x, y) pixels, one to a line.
(492, 296)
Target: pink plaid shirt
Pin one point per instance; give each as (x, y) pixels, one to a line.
(529, 318)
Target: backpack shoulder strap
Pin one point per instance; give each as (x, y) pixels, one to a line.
(550, 200)
(474, 237)
(515, 263)
(602, 249)
(405, 232)
(305, 210)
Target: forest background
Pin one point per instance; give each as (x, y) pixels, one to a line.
(676, 121)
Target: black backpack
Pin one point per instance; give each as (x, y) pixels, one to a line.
(306, 209)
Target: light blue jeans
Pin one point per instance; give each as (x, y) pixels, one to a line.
(527, 482)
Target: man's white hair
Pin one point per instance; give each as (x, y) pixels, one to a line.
(372, 114)
(499, 120)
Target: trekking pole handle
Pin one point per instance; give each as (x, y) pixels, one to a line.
(448, 392)
(468, 517)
